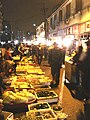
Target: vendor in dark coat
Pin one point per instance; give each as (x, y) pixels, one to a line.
(55, 61)
(10, 65)
(8, 55)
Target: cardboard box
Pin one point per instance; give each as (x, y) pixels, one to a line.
(46, 114)
(8, 115)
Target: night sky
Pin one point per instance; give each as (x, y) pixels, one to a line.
(22, 14)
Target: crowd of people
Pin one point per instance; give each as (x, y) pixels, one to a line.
(82, 62)
(55, 57)
(8, 64)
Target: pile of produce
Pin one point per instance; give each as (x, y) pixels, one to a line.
(23, 96)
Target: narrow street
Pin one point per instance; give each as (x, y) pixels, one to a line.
(71, 106)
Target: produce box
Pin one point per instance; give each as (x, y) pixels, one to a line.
(8, 115)
(46, 96)
(46, 114)
(45, 87)
(38, 106)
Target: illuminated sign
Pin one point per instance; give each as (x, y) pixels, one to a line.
(82, 28)
(69, 31)
(87, 26)
(75, 29)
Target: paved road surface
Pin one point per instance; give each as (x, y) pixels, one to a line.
(71, 106)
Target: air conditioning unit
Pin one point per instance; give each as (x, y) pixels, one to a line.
(66, 21)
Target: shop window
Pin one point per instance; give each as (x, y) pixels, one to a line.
(78, 5)
(60, 15)
(68, 10)
(52, 24)
(55, 19)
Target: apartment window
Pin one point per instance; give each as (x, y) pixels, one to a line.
(55, 17)
(51, 22)
(60, 15)
(78, 5)
(68, 10)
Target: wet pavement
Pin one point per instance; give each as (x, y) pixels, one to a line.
(70, 98)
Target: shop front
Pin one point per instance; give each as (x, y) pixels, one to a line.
(84, 30)
(71, 41)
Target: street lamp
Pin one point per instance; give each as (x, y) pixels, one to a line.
(34, 25)
(35, 29)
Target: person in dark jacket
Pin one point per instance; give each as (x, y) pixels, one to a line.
(39, 54)
(21, 50)
(55, 61)
(76, 61)
(2, 74)
(85, 69)
(10, 65)
(8, 55)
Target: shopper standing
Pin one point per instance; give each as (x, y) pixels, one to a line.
(2, 74)
(21, 50)
(55, 60)
(39, 54)
(76, 61)
(85, 69)
(10, 65)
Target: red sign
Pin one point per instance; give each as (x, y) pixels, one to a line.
(87, 26)
(75, 29)
(82, 28)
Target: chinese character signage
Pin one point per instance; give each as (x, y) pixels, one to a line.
(82, 28)
(88, 26)
(69, 31)
(75, 29)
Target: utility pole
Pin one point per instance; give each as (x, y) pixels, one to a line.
(44, 9)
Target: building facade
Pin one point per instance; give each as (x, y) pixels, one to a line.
(71, 20)
(1, 17)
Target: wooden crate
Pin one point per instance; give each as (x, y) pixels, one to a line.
(48, 99)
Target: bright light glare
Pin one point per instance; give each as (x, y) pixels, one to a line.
(67, 42)
(49, 43)
(34, 24)
(59, 41)
(2, 43)
(16, 42)
(24, 41)
(28, 42)
(5, 26)
(9, 41)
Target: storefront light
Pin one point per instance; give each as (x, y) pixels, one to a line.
(49, 43)
(66, 42)
(59, 41)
